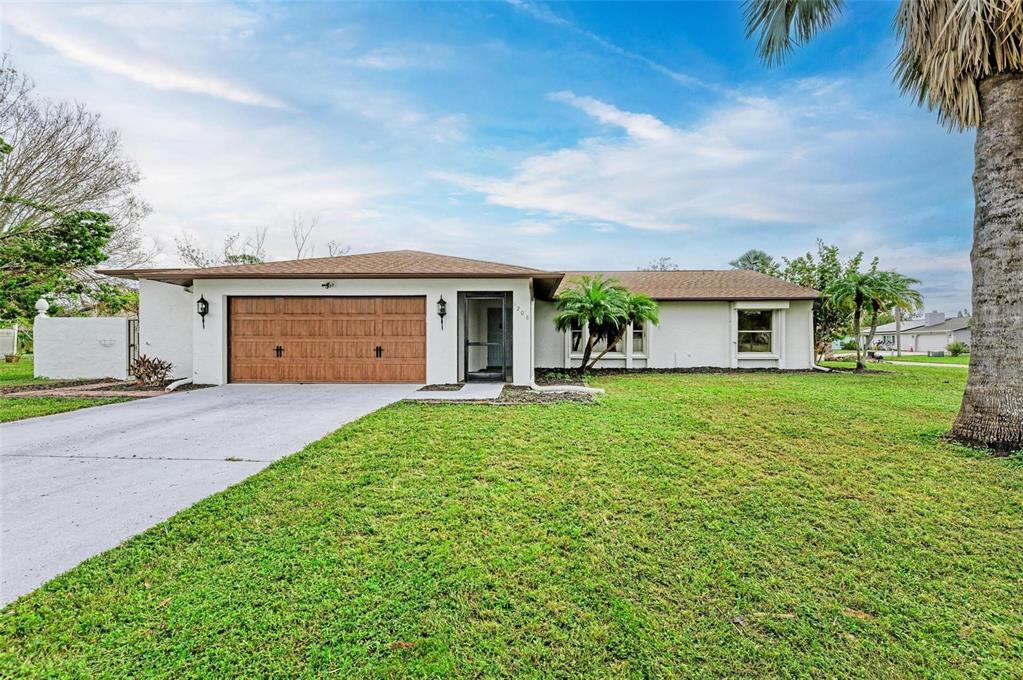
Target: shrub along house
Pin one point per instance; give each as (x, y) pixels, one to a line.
(408, 316)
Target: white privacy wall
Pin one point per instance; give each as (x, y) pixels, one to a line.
(696, 335)
(81, 347)
(209, 357)
(165, 325)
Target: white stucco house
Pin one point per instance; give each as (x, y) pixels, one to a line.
(933, 333)
(409, 316)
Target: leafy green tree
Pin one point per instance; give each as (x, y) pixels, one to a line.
(830, 321)
(596, 303)
(36, 262)
(757, 261)
(964, 59)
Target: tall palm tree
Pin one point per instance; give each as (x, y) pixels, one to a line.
(856, 290)
(892, 290)
(757, 261)
(596, 303)
(639, 309)
(965, 59)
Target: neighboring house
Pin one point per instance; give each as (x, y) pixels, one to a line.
(408, 316)
(932, 333)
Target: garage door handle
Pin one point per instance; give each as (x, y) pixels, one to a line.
(279, 351)
(379, 351)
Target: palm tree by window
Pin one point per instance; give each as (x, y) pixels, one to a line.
(965, 59)
(595, 303)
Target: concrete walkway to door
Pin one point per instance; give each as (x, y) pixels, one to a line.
(76, 484)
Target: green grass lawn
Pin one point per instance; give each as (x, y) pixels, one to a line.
(20, 373)
(961, 359)
(684, 525)
(19, 408)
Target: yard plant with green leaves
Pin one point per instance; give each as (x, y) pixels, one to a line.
(720, 524)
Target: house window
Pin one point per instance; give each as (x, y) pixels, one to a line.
(576, 335)
(638, 338)
(755, 331)
(599, 346)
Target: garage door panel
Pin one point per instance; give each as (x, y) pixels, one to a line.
(355, 328)
(395, 349)
(352, 350)
(353, 305)
(412, 306)
(328, 339)
(254, 305)
(304, 328)
(246, 327)
(402, 328)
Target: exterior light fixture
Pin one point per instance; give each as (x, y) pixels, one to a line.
(328, 285)
(203, 308)
(442, 310)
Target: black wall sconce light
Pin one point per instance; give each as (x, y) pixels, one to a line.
(203, 308)
(442, 310)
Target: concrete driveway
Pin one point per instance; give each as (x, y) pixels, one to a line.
(76, 484)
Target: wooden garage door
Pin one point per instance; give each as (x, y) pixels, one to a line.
(328, 339)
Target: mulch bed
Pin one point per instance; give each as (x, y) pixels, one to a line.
(101, 388)
(442, 387)
(558, 376)
(512, 394)
(53, 385)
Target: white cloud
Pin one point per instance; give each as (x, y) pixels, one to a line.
(542, 12)
(90, 45)
(754, 160)
(408, 57)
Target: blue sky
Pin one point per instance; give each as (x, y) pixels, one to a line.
(561, 135)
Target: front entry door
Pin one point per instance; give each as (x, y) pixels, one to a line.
(328, 339)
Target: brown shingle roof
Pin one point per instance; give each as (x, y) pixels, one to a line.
(733, 284)
(388, 264)
(728, 284)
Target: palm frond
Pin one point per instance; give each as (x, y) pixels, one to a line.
(783, 24)
(948, 46)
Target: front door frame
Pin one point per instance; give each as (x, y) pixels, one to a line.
(506, 332)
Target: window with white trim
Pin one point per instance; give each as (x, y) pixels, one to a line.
(575, 335)
(756, 331)
(639, 339)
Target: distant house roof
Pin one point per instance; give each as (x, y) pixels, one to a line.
(732, 284)
(956, 323)
(918, 326)
(702, 284)
(889, 328)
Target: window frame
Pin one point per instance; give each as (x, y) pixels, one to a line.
(623, 345)
(772, 353)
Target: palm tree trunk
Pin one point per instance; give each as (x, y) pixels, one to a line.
(587, 351)
(608, 347)
(860, 365)
(992, 408)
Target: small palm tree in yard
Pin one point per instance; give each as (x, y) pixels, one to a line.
(872, 292)
(605, 309)
(595, 303)
(639, 309)
(965, 59)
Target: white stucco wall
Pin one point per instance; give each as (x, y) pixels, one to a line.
(209, 355)
(694, 335)
(81, 347)
(8, 341)
(165, 324)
